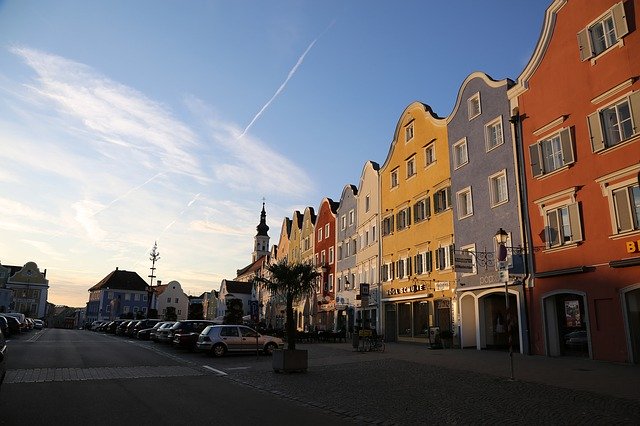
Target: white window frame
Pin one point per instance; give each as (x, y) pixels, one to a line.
(429, 154)
(367, 203)
(615, 19)
(471, 103)
(394, 178)
(343, 221)
(470, 248)
(331, 255)
(600, 137)
(493, 195)
(458, 161)
(411, 167)
(612, 186)
(464, 199)
(408, 132)
(352, 217)
(320, 234)
(488, 134)
(327, 231)
(539, 151)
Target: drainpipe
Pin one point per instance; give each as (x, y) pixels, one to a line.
(516, 121)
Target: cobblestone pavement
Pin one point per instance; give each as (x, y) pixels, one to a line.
(391, 388)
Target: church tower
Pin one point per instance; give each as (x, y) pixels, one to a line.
(261, 244)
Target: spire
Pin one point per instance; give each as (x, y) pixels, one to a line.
(262, 228)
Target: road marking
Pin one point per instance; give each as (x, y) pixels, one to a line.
(218, 372)
(238, 368)
(41, 375)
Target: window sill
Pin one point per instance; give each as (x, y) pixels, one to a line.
(500, 203)
(466, 216)
(563, 247)
(595, 59)
(625, 234)
(555, 172)
(460, 166)
(619, 145)
(488, 150)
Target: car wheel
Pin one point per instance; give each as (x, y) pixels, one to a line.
(218, 350)
(269, 348)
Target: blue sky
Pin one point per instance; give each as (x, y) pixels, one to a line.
(128, 122)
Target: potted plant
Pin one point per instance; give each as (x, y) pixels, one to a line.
(293, 281)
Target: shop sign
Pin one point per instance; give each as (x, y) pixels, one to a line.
(408, 289)
(331, 306)
(443, 304)
(633, 246)
(442, 286)
(463, 262)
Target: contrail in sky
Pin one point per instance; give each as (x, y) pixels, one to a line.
(127, 193)
(284, 84)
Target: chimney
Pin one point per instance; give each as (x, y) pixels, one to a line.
(158, 282)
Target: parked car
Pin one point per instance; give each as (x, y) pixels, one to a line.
(3, 358)
(160, 334)
(4, 326)
(121, 329)
(220, 339)
(133, 330)
(185, 326)
(22, 320)
(145, 333)
(577, 339)
(13, 323)
(38, 324)
(113, 325)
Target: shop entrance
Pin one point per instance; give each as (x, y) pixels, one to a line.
(632, 306)
(566, 325)
(495, 328)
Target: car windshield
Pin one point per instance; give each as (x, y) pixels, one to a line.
(207, 329)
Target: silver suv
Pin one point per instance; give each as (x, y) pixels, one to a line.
(220, 339)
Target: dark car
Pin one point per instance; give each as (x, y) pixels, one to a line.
(160, 333)
(3, 358)
(141, 325)
(187, 326)
(4, 326)
(113, 325)
(14, 325)
(145, 332)
(121, 329)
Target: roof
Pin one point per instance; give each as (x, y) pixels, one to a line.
(254, 266)
(238, 287)
(159, 289)
(121, 280)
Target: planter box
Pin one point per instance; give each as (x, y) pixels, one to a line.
(289, 361)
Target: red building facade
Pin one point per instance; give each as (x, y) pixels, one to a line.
(325, 261)
(578, 107)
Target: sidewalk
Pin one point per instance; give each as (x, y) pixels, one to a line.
(618, 380)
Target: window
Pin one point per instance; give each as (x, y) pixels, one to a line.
(127, 296)
(423, 262)
(135, 309)
(366, 238)
(404, 218)
(331, 254)
(411, 167)
(320, 234)
(323, 257)
(136, 297)
(144, 297)
(347, 249)
(562, 225)
(326, 231)
(430, 154)
(168, 300)
(442, 200)
(316, 261)
(493, 134)
(551, 154)
(367, 203)
(373, 233)
(125, 309)
(460, 154)
(388, 271)
(626, 203)
(400, 268)
(408, 132)
(444, 257)
(352, 217)
(340, 252)
(421, 210)
(473, 106)
(394, 178)
(354, 246)
(465, 203)
(604, 33)
(387, 225)
(498, 188)
(343, 220)
(177, 300)
(615, 123)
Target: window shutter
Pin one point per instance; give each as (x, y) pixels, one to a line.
(584, 45)
(634, 100)
(447, 204)
(416, 212)
(409, 269)
(391, 226)
(567, 147)
(408, 216)
(427, 206)
(536, 163)
(393, 270)
(595, 130)
(623, 214)
(452, 253)
(429, 263)
(620, 20)
(574, 220)
(552, 231)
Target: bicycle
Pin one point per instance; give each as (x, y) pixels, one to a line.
(374, 343)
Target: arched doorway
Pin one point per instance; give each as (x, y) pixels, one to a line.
(566, 324)
(468, 324)
(494, 322)
(632, 316)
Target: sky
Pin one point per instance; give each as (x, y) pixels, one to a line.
(125, 123)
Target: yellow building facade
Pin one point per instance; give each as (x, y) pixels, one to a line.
(417, 277)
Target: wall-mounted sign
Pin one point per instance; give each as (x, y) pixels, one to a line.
(408, 289)
(463, 262)
(442, 286)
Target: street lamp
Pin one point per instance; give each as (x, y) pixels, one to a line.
(501, 238)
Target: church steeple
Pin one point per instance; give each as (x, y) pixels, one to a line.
(261, 240)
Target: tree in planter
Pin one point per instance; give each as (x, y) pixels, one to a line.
(233, 314)
(293, 282)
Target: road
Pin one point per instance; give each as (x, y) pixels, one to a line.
(75, 376)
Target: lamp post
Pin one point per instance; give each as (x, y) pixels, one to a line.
(501, 238)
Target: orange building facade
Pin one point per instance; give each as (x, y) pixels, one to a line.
(578, 101)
